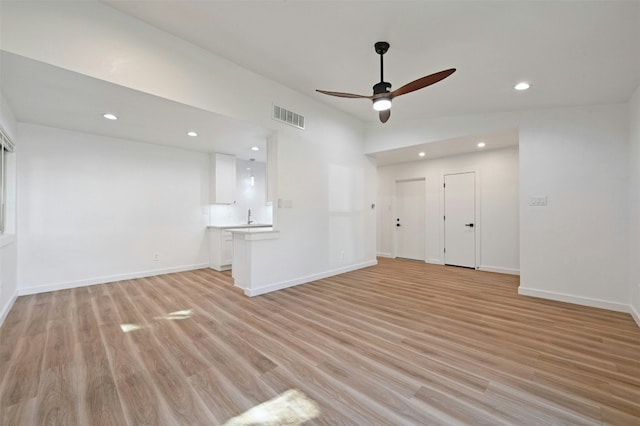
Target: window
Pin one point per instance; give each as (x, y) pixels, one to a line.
(6, 146)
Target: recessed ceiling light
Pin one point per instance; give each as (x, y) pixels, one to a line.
(255, 148)
(522, 86)
(192, 133)
(110, 116)
(481, 144)
(422, 154)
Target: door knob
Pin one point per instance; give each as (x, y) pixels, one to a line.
(470, 225)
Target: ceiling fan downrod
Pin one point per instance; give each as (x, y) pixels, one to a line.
(383, 87)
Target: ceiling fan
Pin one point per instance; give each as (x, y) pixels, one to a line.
(382, 96)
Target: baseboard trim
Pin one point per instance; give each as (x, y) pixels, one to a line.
(389, 255)
(221, 268)
(499, 270)
(106, 279)
(306, 279)
(5, 309)
(585, 301)
(434, 261)
(634, 314)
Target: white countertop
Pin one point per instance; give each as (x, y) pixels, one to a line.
(241, 226)
(255, 233)
(250, 230)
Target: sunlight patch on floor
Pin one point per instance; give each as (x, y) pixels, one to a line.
(130, 327)
(177, 315)
(287, 409)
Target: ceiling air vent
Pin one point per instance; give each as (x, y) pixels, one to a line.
(288, 117)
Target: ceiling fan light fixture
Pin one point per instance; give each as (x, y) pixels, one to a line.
(382, 104)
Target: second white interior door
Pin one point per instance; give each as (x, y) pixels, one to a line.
(410, 219)
(459, 219)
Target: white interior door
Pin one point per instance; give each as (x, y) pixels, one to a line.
(460, 219)
(410, 219)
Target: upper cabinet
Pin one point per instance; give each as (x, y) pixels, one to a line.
(223, 175)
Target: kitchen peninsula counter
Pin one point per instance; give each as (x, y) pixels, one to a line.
(241, 226)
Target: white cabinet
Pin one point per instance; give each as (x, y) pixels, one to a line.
(223, 179)
(220, 249)
(227, 248)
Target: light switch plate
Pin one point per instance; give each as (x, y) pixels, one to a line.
(538, 201)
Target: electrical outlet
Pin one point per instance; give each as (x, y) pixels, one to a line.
(341, 257)
(156, 256)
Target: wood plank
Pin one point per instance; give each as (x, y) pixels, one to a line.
(23, 372)
(57, 405)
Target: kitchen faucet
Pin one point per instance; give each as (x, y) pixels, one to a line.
(249, 221)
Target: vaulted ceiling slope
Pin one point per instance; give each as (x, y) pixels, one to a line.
(35, 90)
(572, 53)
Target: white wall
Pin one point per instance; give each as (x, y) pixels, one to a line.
(634, 204)
(94, 39)
(247, 197)
(330, 227)
(8, 246)
(95, 209)
(497, 212)
(572, 249)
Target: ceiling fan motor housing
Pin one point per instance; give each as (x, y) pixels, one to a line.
(382, 87)
(381, 47)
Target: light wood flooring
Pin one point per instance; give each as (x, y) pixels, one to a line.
(399, 343)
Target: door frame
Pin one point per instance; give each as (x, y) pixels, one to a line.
(477, 219)
(394, 213)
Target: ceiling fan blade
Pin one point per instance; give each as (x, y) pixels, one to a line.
(422, 82)
(384, 115)
(343, 95)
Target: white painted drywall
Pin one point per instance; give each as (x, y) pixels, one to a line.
(8, 246)
(497, 207)
(247, 197)
(634, 204)
(573, 249)
(330, 226)
(95, 209)
(94, 39)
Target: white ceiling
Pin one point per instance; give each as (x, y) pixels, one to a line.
(51, 96)
(573, 53)
(462, 145)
